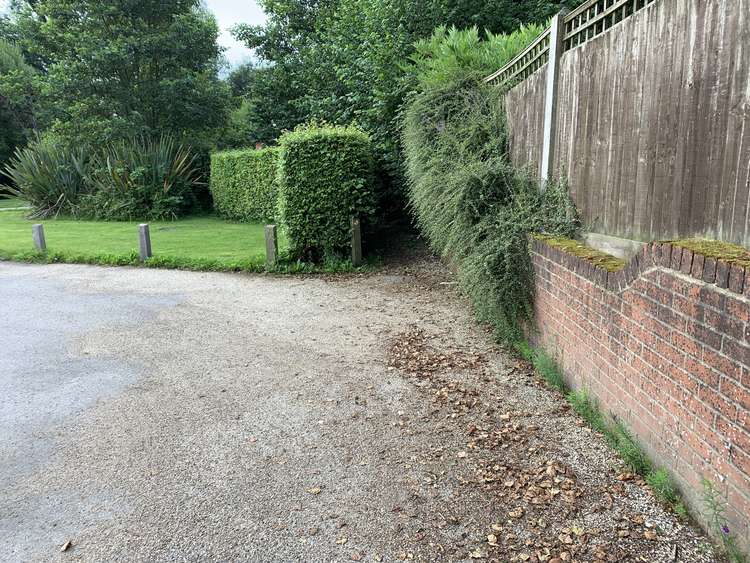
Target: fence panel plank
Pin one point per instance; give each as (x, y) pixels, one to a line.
(653, 122)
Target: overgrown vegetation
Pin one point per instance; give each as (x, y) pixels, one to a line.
(244, 185)
(326, 177)
(342, 61)
(142, 178)
(16, 103)
(475, 208)
(120, 69)
(716, 508)
(50, 177)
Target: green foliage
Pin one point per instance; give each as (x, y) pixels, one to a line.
(716, 507)
(547, 368)
(588, 410)
(243, 184)
(663, 486)
(344, 60)
(449, 54)
(634, 456)
(325, 178)
(259, 115)
(136, 178)
(474, 207)
(117, 69)
(141, 178)
(616, 434)
(16, 100)
(50, 177)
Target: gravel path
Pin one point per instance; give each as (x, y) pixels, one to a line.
(174, 416)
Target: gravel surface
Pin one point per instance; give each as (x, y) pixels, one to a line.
(175, 416)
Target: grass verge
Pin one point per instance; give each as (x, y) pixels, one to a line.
(198, 243)
(12, 203)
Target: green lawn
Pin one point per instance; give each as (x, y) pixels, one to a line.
(11, 203)
(196, 243)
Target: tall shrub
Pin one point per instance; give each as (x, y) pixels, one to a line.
(141, 178)
(49, 176)
(474, 207)
(243, 184)
(325, 177)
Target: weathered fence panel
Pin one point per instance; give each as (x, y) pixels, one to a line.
(653, 122)
(525, 107)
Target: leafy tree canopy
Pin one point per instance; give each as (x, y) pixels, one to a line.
(345, 60)
(123, 67)
(16, 99)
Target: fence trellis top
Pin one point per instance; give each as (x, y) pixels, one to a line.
(584, 23)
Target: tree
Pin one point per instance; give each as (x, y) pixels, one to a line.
(17, 98)
(124, 67)
(344, 61)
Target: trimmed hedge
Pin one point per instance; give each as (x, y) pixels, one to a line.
(243, 184)
(326, 177)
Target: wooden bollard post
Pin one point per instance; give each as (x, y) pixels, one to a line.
(272, 246)
(144, 240)
(38, 234)
(356, 242)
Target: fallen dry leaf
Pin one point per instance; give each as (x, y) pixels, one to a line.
(66, 546)
(516, 512)
(314, 490)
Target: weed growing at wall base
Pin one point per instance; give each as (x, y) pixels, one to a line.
(716, 508)
(615, 433)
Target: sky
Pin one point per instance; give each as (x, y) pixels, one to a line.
(228, 13)
(231, 12)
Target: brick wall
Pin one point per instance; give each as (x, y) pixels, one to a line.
(664, 346)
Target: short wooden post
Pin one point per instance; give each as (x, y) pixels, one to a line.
(38, 234)
(556, 45)
(144, 239)
(356, 242)
(272, 246)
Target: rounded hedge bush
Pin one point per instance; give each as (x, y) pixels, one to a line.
(326, 177)
(243, 184)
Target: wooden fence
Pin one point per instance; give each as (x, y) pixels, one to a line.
(644, 105)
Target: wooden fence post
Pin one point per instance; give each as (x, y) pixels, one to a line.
(144, 240)
(556, 43)
(356, 242)
(272, 246)
(38, 235)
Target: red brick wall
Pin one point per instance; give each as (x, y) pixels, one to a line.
(663, 346)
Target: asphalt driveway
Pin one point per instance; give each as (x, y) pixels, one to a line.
(174, 416)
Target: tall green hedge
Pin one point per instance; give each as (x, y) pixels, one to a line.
(326, 176)
(243, 184)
